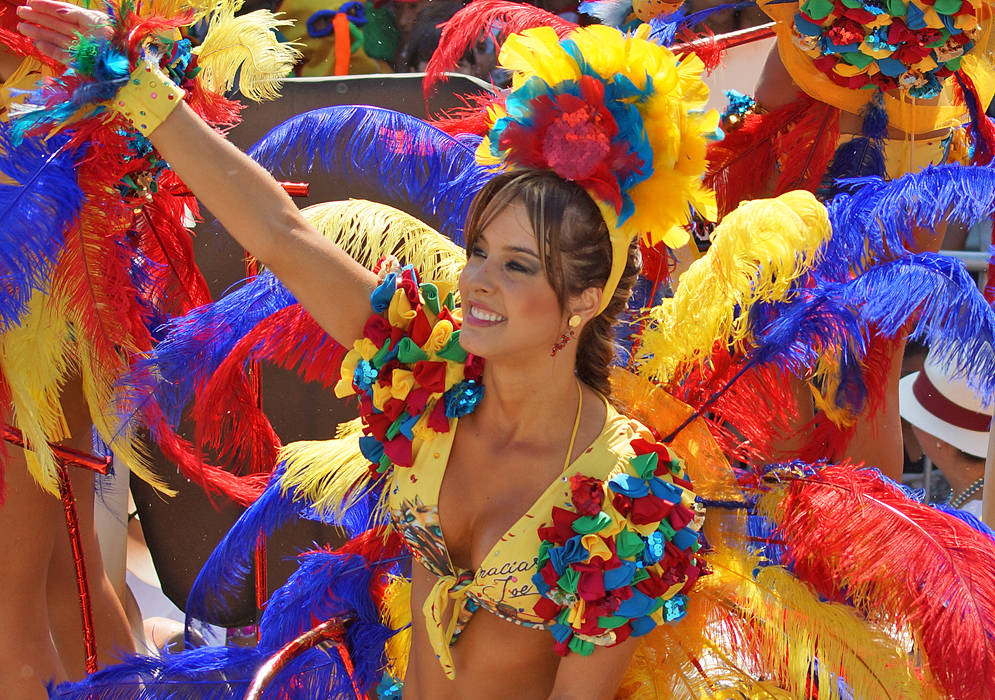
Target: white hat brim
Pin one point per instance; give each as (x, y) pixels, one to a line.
(973, 442)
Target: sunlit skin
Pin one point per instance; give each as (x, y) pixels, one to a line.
(505, 453)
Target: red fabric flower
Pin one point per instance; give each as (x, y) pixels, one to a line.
(376, 329)
(899, 33)
(546, 609)
(573, 136)
(587, 494)
(591, 585)
(680, 516)
(393, 408)
(420, 328)
(649, 509)
(409, 284)
(437, 419)
(562, 528)
(431, 375)
(474, 367)
(417, 398)
(398, 451)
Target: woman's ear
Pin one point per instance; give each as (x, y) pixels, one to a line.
(586, 304)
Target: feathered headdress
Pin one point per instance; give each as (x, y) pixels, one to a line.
(620, 116)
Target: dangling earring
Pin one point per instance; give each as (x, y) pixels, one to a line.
(573, 322)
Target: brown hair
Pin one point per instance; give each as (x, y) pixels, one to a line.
(575, 251)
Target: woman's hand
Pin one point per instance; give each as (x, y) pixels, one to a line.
(54, 26)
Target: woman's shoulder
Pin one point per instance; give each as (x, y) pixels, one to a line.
(409, 370)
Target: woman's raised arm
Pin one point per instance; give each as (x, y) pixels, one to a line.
(333, 287)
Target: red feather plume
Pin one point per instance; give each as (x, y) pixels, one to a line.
(471, 118)
(748, 417)
(176, 284)
(227, 416)
(482, 17)
(740, 165)
(806, 149)
(854, 537)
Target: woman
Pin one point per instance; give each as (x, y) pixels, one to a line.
(602, 138)
(538, 305)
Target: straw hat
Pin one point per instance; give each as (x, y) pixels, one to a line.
(945, 406)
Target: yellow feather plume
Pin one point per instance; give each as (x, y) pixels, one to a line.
(397, 615)
(753, 632)
(368, 231)
(99, 388)
(175, 8)
(35, 361)
(757, 251)
(245, 46)
(330, 475)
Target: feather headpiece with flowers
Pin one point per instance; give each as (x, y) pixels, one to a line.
(619, 115)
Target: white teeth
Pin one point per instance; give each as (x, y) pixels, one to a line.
(485, 315)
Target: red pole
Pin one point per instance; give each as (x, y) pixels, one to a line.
(82, 583)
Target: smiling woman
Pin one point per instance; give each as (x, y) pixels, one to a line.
(517, 535)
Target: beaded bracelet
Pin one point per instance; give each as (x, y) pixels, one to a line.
(148, 97)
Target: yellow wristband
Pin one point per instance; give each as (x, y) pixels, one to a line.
(148, 98)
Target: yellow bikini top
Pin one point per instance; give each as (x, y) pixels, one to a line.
(608, 551)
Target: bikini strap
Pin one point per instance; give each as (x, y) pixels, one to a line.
(573, 435)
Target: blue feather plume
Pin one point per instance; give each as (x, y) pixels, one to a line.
(874, 220)
(402, 156)
(214, 673)
(328, 585)
(195, 344)
(863, 155)
(954, 320)
(35, 213)
(231, 562)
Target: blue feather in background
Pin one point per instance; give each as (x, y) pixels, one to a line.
(874, 220)
(401, 156)
(213, 673)
(195, 344)
(35, 213)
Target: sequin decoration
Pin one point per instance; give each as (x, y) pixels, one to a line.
(463, 398)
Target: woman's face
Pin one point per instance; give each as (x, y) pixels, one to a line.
(509, 307)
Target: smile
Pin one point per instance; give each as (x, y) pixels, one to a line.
(480, 314)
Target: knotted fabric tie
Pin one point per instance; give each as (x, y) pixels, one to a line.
(446, 588)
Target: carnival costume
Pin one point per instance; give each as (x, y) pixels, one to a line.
(95, 250)
(809, 589)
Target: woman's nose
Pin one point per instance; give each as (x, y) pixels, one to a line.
(480, 276)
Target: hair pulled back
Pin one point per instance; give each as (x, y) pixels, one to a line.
(575, 251)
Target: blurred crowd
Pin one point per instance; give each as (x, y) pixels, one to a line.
(399, 36)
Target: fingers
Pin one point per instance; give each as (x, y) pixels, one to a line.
(54, 26)
(48, 42)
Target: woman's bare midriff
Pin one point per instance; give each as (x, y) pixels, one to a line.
(494, 659)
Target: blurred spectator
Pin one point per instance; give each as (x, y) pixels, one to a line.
(951, 425)
(314, 28)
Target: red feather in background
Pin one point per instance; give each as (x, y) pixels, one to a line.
(229, 420)
(741, 165)
(496, 18)
(471, 118)
(748, 417)
(806, 148)
(856, 538)
(177, 286)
